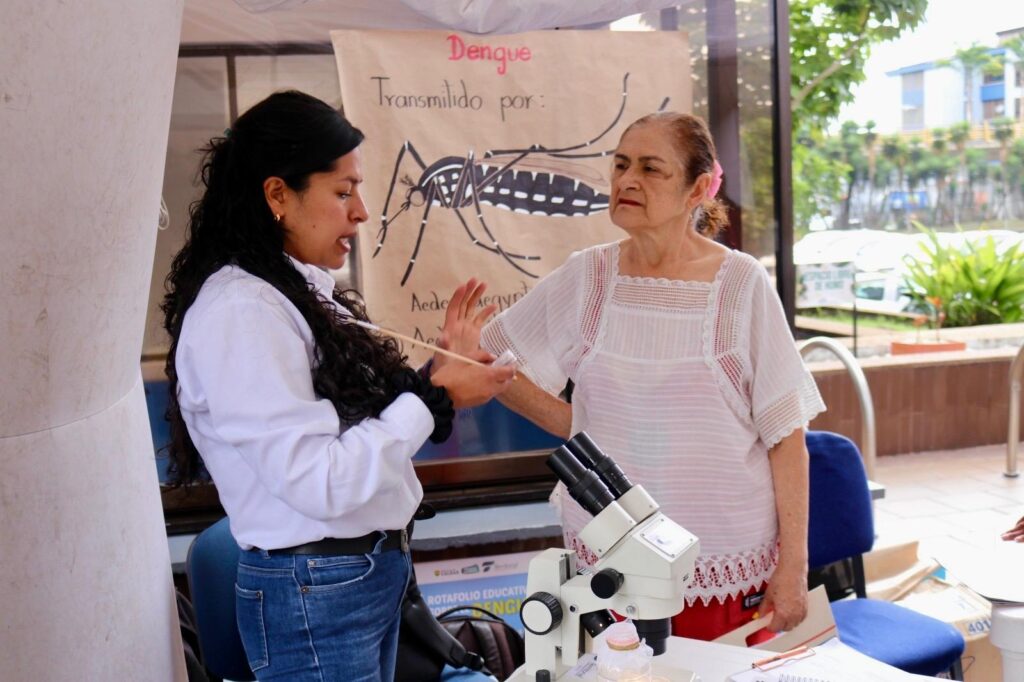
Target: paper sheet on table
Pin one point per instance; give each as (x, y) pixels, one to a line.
(833, 661)
(992, 569)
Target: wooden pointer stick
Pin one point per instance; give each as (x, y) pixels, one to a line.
(417, 342)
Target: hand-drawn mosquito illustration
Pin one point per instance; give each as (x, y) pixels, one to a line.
(536, 180)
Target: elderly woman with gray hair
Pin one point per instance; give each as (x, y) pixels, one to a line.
(685, 371)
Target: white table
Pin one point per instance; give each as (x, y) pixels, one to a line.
(716, 662)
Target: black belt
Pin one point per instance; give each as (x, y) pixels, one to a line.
(396, 539)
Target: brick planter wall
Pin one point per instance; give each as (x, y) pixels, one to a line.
(925, 402)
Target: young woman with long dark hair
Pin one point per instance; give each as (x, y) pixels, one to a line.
(306, 422)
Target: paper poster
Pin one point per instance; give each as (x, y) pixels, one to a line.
(489, 156)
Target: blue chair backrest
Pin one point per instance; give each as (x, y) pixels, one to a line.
(212, 567)
(840, 524)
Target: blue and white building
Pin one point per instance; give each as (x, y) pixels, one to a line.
(930, 95)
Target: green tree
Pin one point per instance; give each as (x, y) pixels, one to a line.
(978, 172)
(870, 140)
(1015, 46)
(849, 149)
(895, 151)
(971, 60)
(831, 41)
(940, 166)
(915, 164)
(1015, 172)
(918, 170)
(818, 178)
(959, 134)
(1002, 129)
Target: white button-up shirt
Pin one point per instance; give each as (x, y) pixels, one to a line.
(287, 470)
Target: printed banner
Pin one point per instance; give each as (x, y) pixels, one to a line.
(824, 284)
(495, 583)
(489, 156)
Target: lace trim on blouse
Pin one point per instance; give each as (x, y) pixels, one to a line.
(715, 576)
(790, 412)
(721, 337)
(720, 576)
(598, 287)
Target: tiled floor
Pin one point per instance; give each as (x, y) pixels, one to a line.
(948, 495)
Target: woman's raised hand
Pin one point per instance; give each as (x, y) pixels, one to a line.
(463, 322)
(470, 385)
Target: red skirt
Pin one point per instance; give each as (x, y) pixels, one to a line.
(717, 618)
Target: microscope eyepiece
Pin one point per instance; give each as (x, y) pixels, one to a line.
(586, 451)
(584, 485)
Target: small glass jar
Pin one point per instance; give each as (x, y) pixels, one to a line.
(621, 656)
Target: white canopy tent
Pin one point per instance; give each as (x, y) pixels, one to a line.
(230, 21)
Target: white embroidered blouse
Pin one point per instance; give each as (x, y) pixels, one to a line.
(686, 384)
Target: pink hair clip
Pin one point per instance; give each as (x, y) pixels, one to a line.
(716, 180)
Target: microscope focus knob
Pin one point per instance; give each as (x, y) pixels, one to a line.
(606, 582)
(541, 613)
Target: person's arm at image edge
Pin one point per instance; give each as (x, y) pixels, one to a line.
(786, 596)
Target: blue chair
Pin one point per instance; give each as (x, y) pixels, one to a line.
(212, 566)
(450, 674)
(841, 527)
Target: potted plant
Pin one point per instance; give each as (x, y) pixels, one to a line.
(961, 283)
(936, 316)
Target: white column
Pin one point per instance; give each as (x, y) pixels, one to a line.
(85, 100)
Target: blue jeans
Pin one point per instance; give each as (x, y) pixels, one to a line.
(321, 618)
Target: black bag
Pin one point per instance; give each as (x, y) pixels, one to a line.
(500, 644)
(425, 645)
(194, 667)
(422, 654)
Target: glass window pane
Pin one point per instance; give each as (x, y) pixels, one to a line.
(202, 110)
(755, 41)
(259, 76)
(198, 112)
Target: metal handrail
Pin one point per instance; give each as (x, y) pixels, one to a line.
(1013, 437)
(860, 384)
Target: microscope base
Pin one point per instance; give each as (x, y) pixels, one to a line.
(661, 672)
